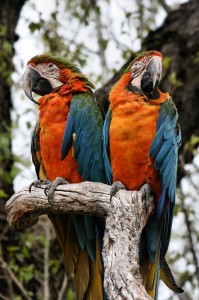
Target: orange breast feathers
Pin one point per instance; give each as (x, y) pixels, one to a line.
(54, 110)
(132, 130)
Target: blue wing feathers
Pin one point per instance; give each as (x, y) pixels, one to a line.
(89, 225)
(80, 229)
(168, 133)
(165, 145)
(161, 154)
(86, 121)
(164, 151)
(78, 143)
(35, 147)
(88, 128)
(68, 136)
(157, 142)
(161, 204)
(90, 246)
(108, 169)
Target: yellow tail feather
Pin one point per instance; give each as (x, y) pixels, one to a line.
(149, 274)
(94, 291)
(82, 274)
(71, 247)
(59, 224)
(167, 277)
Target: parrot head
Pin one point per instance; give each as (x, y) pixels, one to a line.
(146, 71)
(46, 73)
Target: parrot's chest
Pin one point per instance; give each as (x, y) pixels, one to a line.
(53, 119)
(132, 130)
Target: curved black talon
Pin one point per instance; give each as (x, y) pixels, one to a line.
(38, 183)
(116, 186)
(147, 191)
(51, 187)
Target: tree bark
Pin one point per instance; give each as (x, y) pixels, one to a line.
(126, 215)
(9, 15)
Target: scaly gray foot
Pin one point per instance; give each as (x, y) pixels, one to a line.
(116, 186)
(147, 191)
(50, 188)
(38, 183)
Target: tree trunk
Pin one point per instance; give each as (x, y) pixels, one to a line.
(9, 15)
(126, 215)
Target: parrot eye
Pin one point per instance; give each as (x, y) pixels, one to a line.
(50, 66)
(137, 64)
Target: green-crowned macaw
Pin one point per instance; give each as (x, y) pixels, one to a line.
(141, 141)
(67, 143)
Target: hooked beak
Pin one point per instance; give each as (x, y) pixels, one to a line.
(152, 75)
(29, 79)
(32, 81)
(154, 70)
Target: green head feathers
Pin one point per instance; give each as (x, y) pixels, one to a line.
(61, 63)
(146, 54)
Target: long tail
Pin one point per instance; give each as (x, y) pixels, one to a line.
(154, 245)
(80, 241)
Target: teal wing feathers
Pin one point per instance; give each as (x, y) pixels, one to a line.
(35, 149)
(107, 165)
(164, 150)
(165, 146)
(85, 121)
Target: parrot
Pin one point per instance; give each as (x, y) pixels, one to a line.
(141, 141)
(67, 144)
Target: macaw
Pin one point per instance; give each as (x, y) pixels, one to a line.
(67, 143)
(141, 140)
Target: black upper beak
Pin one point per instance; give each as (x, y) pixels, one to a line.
(151, 78)
(32, 81)
(155, 70)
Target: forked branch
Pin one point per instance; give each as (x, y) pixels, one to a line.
(126, 215)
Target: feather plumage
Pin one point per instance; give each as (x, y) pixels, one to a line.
(82, 275)
(67, 142)
(141, 142)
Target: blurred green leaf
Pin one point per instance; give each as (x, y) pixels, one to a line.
(70, 295)
(3, 194)
(34, 26)
(167, 61)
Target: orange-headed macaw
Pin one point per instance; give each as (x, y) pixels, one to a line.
(141, 141)
(67, 142)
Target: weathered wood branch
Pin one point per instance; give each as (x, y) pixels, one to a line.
(126, 215)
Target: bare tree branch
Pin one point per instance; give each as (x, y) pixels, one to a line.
(3, 297)
(63, 288)
(126, 215)
(166, 7)
(5, 266)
